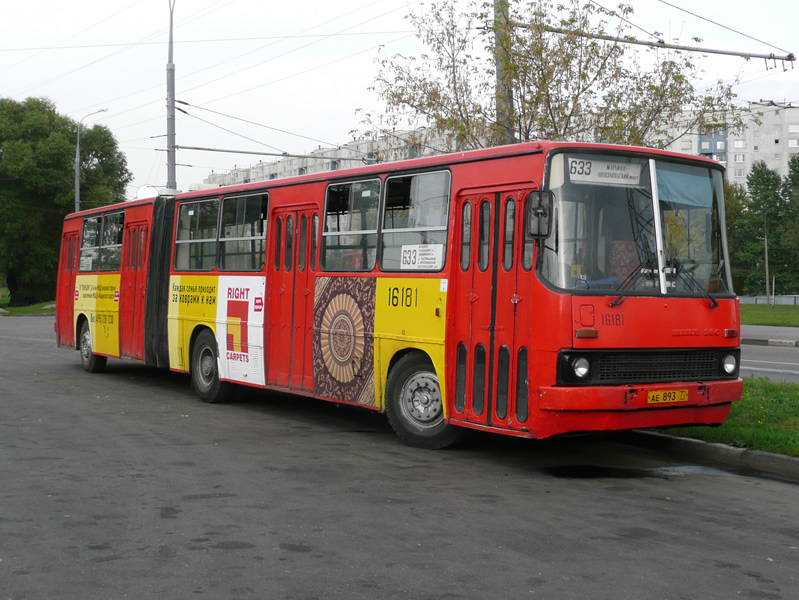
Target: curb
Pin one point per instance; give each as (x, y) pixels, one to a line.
(762, 342)
(757, 460)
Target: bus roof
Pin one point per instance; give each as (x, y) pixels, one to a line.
(495, 152)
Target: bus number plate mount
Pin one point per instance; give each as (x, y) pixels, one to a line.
(667, 396)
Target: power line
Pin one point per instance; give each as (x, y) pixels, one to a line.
(59, 46)
(258, 153)
(206, 68)
(293, 50)
(229, 131)
(259, 124)
(204, 41)
(616, 14)
(189, 19)
(724, 27)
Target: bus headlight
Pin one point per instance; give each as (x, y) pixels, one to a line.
(581, 366)
(728, 363)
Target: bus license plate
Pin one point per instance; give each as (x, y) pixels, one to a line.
(667, 396)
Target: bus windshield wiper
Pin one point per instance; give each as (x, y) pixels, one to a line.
(685, 275)
(642, 270)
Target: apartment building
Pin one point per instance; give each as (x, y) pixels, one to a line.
(771, 136)
(393, 146)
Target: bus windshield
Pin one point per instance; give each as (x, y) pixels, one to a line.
(617, 233)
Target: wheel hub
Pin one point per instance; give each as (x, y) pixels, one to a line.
(421, 400)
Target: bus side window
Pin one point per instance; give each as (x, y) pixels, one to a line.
(111, 242)
(415, 217)
(349, 237)
(90, 244)
(196, 239)
(242, 237)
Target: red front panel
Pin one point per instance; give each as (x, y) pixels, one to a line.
(655, 322)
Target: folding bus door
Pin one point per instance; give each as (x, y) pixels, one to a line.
(65, 301)
(133, 290)
(489, 349)
(291, 299)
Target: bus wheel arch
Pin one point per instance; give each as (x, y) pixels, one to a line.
(204, 367)
(91, 362)
(414, 403)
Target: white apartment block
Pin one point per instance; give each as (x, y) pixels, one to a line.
(773, 140)
(397, 145)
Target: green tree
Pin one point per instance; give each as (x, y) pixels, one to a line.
(790, 194)
(734, 203)
(569, 76)
(37, 189)
(763, 224)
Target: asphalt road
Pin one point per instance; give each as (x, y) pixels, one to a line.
(776, 363)
(123, 485)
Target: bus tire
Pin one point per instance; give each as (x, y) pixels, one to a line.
(205, 370)
(415, 406)
(92, 363)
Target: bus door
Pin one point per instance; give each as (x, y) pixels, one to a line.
(65, 302)
(291, 299)
(491, 300)
(132, 290)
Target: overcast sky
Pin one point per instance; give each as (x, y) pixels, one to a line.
(302, 67)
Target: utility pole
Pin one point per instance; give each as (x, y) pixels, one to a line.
(504, 89)
(765, 246)
(171, 177)
(77, 159)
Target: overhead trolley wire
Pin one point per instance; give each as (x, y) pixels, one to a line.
(724, 26)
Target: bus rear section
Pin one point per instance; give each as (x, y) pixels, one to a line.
(102, 283)
(617, 314)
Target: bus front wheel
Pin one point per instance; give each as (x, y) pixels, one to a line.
(92, 363)
(415, 406)
(205, 370)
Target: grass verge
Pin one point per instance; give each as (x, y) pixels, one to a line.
(766, 418)
(762, 314)
(44, 308)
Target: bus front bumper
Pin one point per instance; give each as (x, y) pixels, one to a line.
(639, 397)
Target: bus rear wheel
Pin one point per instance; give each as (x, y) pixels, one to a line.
(92, 363)
(205, 370)
(415, 406)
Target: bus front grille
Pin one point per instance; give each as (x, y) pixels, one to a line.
(646, 367)
(618, 367)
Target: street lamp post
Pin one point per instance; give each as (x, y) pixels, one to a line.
(77, 160)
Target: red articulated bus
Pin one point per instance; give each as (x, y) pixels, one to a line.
(531, 290)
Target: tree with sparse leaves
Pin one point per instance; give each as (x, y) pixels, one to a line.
(37, 190)
(570, 79)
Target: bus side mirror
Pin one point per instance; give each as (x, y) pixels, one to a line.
(539, 213)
